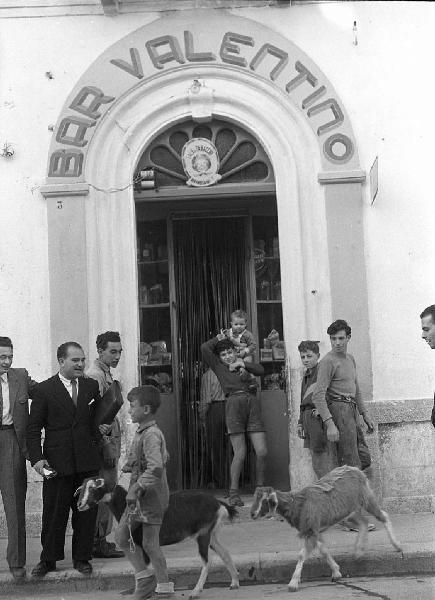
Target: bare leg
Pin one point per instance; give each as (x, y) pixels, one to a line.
(238, 443)
(309, 545)
(258, 439)
(150, 536)
(336, 575)
(226, 559)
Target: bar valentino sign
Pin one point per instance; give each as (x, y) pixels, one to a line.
(183, 41)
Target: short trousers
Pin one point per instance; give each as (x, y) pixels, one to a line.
(243, 413)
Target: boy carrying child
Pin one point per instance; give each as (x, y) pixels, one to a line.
(242, 406)
(148, 496)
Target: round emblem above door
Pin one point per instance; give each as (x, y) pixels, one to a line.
(200, 162)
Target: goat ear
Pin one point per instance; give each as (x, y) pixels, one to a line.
(99, 482)
(78, 490)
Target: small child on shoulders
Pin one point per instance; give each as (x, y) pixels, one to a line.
(148, 496)
(243, 341)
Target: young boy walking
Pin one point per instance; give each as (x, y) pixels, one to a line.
(310, 426)
(242, 408)
(148, 496)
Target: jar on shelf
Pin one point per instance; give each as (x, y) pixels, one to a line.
(143, 295)
(276, 290)
(264, 290)
(148, 251)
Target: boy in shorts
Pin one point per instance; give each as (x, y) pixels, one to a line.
(310, 426)
(148, 496)
(242, 408)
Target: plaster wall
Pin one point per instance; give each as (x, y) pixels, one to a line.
(381, 81)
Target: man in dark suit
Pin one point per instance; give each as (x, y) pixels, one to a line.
(64, 406)
(15, 387)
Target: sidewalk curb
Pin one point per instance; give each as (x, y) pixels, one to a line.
(270, 567)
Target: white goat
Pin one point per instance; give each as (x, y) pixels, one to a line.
(320, 505)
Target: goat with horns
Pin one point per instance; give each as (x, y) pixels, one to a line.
(343, 492)
(189, 514)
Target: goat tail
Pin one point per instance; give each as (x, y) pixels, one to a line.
(231, 510)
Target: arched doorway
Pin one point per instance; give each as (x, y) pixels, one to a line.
(107, 122)
(204, 251)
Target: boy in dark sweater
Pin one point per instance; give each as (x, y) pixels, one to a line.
(242, 408)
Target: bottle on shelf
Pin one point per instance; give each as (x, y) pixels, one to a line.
(148, 251)
(143, 295)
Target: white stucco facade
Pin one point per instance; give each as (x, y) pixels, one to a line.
(382, 83)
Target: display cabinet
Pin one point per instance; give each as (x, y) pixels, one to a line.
(268, 306)
(155, 352)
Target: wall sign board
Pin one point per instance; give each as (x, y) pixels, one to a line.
(179, 41)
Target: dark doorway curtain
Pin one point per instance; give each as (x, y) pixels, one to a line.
(210, 282)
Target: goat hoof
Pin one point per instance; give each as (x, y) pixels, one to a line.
(292, 587)
(194, 594)
(235, 586)
(336, 577)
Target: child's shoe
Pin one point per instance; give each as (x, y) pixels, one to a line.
(164, 590)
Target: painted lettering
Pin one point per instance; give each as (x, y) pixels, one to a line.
(336, 111)
(193, 56)
(275, 52)
(134, 68)
(88, 101)
(308, 101)
(336, 142)
(174, 53)
(304, 75)
(228, 48)
(65, 163)
(72, 131)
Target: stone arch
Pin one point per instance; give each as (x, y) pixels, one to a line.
(102, 195)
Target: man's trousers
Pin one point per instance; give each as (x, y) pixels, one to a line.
(58, 499)
(13, 486)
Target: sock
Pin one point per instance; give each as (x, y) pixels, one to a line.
(148, 572)
(165, 588)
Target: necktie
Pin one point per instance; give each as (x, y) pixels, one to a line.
(74, 391)
(1, 402)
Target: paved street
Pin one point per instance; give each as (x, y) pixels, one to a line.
(382, 588)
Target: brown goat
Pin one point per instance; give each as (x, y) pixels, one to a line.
(342, 492)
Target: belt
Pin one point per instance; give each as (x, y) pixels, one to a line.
(347, 399)
(6, 426)
(307, 407)
(236, 392)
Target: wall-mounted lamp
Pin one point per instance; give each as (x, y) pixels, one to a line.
(145, 180)
(196, 86)
(7, 151)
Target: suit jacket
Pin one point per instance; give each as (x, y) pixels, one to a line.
(21, 387)
(71, 436)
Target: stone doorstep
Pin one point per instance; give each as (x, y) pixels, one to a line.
(270, 567)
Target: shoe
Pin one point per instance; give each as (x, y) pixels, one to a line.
(145, 588)
(105, 549)
(43, 567)
(18, 573)
(235, 500)
(83, 566)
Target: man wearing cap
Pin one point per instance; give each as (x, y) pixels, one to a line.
(428, 334)
(64, 407)
(15, 389)
(109, 350)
